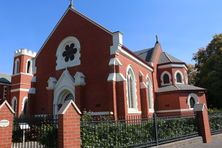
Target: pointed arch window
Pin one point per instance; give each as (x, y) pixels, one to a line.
(16, 66)
(192, 100)
(166, 79)
(131, 89)
(14, 104)
(150, 94)
(29, 66)
(179, 76)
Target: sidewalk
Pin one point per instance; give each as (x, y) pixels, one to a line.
(216, 143)
(195, 143)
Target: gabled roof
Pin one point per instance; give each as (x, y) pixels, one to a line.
(167, 58)
(76, 12)
(4, 78)
(179, 87)
(145, 54)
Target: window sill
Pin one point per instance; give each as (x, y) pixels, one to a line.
(133, 111)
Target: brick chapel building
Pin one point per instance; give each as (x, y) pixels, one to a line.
(83, 61)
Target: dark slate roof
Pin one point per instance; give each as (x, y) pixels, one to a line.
(167, 58)
(145, 54)
(4, 78)
(178, 87)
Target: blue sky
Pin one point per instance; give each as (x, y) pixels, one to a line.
(183, 26)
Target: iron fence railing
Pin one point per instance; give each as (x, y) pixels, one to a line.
(137, 132)
(215, 119)
(35, 132)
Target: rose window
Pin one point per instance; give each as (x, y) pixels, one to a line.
(69, 53)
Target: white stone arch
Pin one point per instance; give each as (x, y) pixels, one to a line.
(150, 94)
(17, 66)
(29, 66)
(24, 101)
(162, 75)
(132, 102)
(195, 97)
(14, 103)
(182, 77)
(64, 84)
(60, 62)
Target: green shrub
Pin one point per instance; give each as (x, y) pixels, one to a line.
(48, 136)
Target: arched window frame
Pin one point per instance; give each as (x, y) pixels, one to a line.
(130, 74)
(162, 76)
(182, 77)
(17, 66)
(29, 66)
(195, 97)
(150, 94)
(14, 104)
(23, 103)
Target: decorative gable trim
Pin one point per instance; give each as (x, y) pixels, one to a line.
(66, 105)
(116, 77)
(5, 103)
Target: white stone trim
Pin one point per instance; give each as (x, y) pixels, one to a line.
(129, 68)
(14, 100)
(143, 85)
(9, 106)
(24, 51)
(16, 66)
(26, 66)
(79, 79)
(20, 89)
(172, 65)
(175, 110)
(33, 79)
(134, 111)
(22, 73)
(161, 77)
(65, 83)
(175, 77)
(150, 94)
(117, 47)
(192, 95)
(116, 77)
(100, 113)
(32, 91)
(135, 59)
(66, 105)
(51, 83)
(115, 61)
(60, 62)
(23, 102)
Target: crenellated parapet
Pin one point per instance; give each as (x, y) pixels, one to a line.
(24, 51)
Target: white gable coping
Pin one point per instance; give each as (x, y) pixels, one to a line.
(65, 75)
(116, 77)
(143, 85)
(9, 106)
(66, 105)
(115, 61)
(199, 107)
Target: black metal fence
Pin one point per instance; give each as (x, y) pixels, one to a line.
(215, 119)
(35, 132)
(136, 132)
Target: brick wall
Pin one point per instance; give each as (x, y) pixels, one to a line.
(6, 113)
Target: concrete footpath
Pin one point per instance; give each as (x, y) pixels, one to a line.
(195, 143)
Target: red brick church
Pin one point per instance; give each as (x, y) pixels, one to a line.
(83, 61)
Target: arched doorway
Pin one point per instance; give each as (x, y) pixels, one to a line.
(61, 98)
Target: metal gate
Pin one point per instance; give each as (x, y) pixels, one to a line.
(35, 132)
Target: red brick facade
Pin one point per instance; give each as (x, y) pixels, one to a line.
(6, 114)
(102, 76)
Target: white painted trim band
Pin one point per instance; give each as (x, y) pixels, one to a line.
(172, 65)
(100, 113)
(175, 110)
(20, 89)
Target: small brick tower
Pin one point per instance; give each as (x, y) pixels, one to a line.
(21, 80)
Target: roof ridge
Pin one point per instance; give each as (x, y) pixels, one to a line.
(166, 54)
